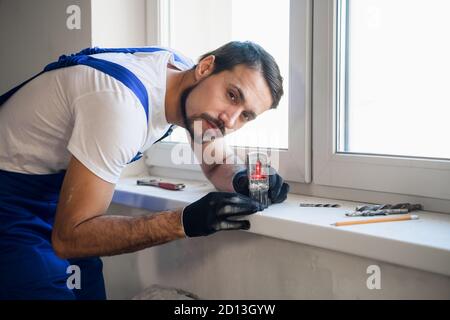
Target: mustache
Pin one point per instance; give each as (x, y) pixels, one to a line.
(219, 124)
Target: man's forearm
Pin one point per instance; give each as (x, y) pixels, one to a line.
(112, 235)
(221, 176)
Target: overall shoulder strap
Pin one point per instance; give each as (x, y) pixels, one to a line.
(96, 50)
(121, 74)
(4, 97)
(115, 70)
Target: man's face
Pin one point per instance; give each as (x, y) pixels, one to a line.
(224, 102)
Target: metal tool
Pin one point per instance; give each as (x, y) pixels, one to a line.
(320, 205)
(409, 206)
(369, 213)
(383, 209)
(161, 184)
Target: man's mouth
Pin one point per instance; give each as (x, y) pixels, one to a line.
(210, 125)
(214, 127)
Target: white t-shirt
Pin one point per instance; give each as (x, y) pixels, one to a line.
(81, 111)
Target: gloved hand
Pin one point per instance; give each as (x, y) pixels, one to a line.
(278, 189)
(215, 212)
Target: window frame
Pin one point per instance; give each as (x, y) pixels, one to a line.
(383, 173)
(295, 162)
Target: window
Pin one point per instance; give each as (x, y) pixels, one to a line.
(380, 96)
(198, 26)
(394, 69)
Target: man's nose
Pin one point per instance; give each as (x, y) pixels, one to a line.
(230, 117)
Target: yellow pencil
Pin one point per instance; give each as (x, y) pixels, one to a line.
(384, 219)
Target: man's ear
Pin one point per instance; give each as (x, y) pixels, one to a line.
(204, 68)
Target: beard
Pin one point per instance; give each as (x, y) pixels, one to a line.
(195, 134)
(188, 125)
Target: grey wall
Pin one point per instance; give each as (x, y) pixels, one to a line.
(239, 265)
(34, 33)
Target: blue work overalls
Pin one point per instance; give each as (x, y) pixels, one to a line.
(29, 268)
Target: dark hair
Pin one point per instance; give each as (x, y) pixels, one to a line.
(251, 55)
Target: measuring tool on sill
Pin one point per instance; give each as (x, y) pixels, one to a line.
(161, 184)
(258, 168)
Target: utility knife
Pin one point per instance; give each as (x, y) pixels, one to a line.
(161, 184)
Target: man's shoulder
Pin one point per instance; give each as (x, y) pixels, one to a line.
(116, 107)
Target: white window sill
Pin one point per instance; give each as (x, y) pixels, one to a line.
(422, 244)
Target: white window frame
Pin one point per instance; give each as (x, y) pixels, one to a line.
(295, 162)
(402, 175)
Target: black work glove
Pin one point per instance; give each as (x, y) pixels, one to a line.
(215, 212)
(278, 189)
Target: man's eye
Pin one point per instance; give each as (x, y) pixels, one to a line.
(246, 116)
(232, 96)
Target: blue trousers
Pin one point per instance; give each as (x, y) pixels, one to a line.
(29, 267)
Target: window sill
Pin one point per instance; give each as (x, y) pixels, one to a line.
(422, 244)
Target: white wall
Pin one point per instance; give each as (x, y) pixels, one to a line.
(239, 265)
(118, 23)
(34, 33)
